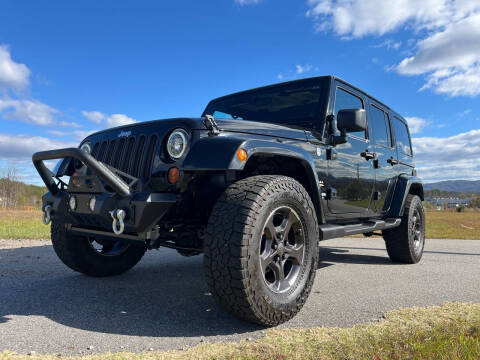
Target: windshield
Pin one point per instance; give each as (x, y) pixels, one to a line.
(298, 103)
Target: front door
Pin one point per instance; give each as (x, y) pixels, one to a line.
(386, 158)
(351, 176)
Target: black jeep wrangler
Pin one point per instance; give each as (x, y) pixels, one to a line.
(253, 184)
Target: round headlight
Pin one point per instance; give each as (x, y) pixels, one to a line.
(86, 147)
(177, 143)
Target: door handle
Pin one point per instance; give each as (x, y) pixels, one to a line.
(392, 161)
(368, 155)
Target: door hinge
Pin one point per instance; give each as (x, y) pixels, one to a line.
(331, 154)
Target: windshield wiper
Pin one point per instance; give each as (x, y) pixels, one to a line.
(211, 125)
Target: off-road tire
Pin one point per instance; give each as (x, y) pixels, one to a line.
(77, 253)
(400, 241)
(232, 243)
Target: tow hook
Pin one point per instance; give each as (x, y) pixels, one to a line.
(118, 215)
(47, 214)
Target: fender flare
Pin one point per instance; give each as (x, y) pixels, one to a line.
(406, 184)
(219, 153)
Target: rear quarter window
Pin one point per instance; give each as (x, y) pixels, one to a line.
(402, 137)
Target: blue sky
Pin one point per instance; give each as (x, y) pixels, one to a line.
(69, 68)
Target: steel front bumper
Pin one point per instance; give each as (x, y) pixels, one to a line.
(142, 210)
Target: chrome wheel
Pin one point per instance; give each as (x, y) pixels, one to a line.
(416, 231)
(282, 249)
(108, 247)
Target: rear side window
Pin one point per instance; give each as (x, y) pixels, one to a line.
(381, 126)
(346, 100)
(402, 138)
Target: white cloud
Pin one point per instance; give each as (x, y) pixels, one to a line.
(448, 57)
(302, 69)
(110, 120)
(29, 111)
(416, 124)
(247, 2)
(357, 18)
(22, 147)
(454, 157)
(464, 113)
(95, 116)
(389, 44)
(12, 75)
(82, 134)
(71, 124)
(76, 134)
(119, 120)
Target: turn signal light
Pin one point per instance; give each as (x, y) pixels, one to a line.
(173, 175)
(242, 155)
(75, 179)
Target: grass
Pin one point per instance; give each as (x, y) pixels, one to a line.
(453, 225)
(27, 224)
(22, 224)
(447, 332)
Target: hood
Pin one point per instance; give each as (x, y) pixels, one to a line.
(225, 125)
(260, 128)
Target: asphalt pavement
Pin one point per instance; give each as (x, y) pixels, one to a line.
(163, 303)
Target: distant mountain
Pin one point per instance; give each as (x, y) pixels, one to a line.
(459, 186)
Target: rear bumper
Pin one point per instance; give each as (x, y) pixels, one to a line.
(143, 209)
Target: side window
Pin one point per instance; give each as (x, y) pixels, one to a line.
(381, 126)
(345, 100)
(402, 138)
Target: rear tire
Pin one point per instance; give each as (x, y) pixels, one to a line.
(405, 243)
(80, 254)
(261, 249)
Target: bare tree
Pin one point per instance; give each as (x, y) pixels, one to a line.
(9, 186)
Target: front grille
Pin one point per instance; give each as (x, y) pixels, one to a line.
(132, 155)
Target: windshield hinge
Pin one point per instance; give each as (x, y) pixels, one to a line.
(211, 125)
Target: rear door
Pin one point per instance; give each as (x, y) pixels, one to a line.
(350, 176)
(386, 153)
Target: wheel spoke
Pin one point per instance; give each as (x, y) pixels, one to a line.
(287, 222)
(270, 227)
(277, 268)
(295, 252)
(268, 255)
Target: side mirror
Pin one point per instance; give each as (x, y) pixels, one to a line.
(351, 120)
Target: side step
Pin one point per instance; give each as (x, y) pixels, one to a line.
(331, 231)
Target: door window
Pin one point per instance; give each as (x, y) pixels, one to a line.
(346, 100)
(402, 137)
(381, 126)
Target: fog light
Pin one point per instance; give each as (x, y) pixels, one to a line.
(72, 203)
(173, 175)
(91, 203)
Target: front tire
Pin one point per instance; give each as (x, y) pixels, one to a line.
(98, 258)
(261, 249)
(405, 243)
